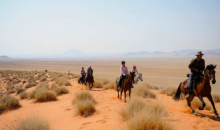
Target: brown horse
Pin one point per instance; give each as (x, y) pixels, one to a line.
(82, 80)
(126, 86)
(203, 89)
(90, 80)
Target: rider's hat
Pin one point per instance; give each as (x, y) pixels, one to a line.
(199, 53)
(123, 62)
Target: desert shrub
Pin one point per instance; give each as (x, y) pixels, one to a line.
(148, 121)
(31, 123)
(83, 95)
(60, 90)
(43, 79)
(11, 91)
(44, 95)
(8, 103)
(62, 81)
(142, 115)
(105, 81)
(98, 84)
(53, 86)
(144, 92)
(216, 97)
(43, 85)
(111, 85)
(31, 95)
(85, 103)
(31, 84)
(85, 108)
(23, 95)
(20, 90)
(133, 106)
(170, 91)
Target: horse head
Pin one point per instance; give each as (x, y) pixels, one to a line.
(140, 77)
(210, 71)
(132, 75)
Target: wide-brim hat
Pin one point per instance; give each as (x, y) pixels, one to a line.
(199, 53)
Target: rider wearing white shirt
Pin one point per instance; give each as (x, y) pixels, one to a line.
(123, 73)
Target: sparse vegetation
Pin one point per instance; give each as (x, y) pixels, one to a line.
(85, 103)
(44, 95)
(143, 91)
(31, 123)
(60, 90)
(216, 97)
(23, 95)
(110, 85)
(142, 115)
(8, 103)
(170, 91)
(98, 84)
(62, 81)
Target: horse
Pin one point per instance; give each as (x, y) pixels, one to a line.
(127, 84)
(136, 79)
(82, 80)
(90, 80)
(202, 89)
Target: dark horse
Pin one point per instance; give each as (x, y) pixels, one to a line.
(202, 89)
(82, 80)
(90, 80)
(127, 84)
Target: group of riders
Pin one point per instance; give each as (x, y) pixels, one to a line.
(196, 66)
(123, 74)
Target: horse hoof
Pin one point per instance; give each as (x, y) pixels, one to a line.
(216, 116)
(201, 108)
(194, 113)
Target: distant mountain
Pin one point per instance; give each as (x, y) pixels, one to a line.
(187, 52)
(73, 52)
(4, 57)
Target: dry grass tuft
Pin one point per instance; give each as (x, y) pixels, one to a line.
(147, 85)
(23, 95)
(32, 123)
(63, 81)
(85, 108)
(83, 95)
(98, 84)
(142, 115)
(8, 103)
(85, 103)
(171, 91)
(44, 95)
(60, 90)
(216, 97)
(143, 91)
(110, 85)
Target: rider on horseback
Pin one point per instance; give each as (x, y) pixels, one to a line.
(123, 73)
(89, 73)
(196, 66)
(134, 70)
(82, 74)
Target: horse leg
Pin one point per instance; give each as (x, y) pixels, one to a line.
(121, 93)
(189, 104)
(130, 94)
(125, 95)
(118, 93)
(203, 103)
(213, 105)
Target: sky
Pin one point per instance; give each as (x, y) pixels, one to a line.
(45, 27)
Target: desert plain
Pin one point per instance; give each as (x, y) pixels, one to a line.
(161, 72)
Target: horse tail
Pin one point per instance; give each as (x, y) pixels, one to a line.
(178, 93)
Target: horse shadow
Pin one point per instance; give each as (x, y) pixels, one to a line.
(212, 117)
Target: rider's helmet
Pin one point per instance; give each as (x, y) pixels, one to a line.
(123, 62)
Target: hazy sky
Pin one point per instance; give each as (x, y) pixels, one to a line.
(111, 26)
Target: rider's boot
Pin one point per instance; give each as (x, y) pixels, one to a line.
(189, 87)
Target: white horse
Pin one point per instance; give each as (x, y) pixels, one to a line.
(137, 78)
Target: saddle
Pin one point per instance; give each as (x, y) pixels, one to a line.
(195, 80)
